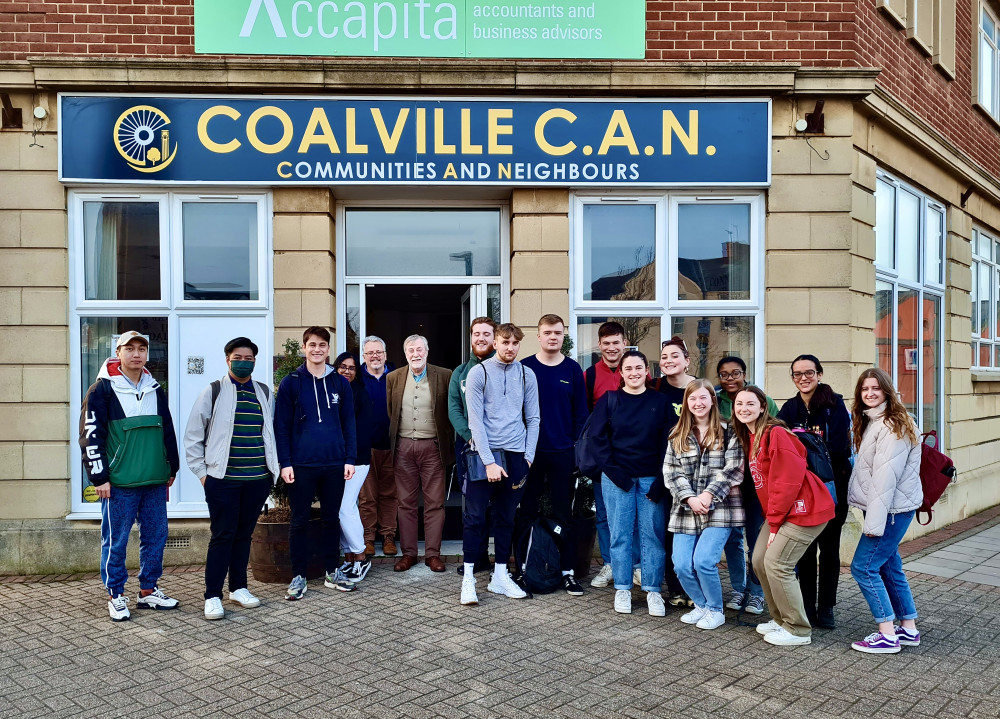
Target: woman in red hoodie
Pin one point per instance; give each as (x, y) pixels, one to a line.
(797, 506)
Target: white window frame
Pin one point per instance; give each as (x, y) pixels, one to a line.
(170, 305)
(667, 307)
(993, 263)
(980, 8)
(923, 286)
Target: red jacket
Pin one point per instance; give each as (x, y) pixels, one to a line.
(788, 491)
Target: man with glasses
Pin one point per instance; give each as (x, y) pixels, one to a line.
(377, 501)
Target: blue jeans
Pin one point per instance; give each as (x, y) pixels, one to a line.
(737, 563)
(125, 507)
(604, 534)
(696, 558)
(878, 570)
(624, 509)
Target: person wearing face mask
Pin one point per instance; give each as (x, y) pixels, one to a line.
(818, 409)
(703, 469)
(885, 485)
(229, 445)
(629, 434)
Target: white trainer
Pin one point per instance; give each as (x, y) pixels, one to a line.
(501, 583)
(654, 601)
(156, 600)
(469, 596)
(244, 598)
(623, 601)
(603, 578)
(213, 608)
(695, 615)
(768, 627)
(118, 608)
(711, 620)
(781, 637)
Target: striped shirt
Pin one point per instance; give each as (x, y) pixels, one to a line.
(246, 451)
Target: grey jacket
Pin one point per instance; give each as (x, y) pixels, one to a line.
(503, 408)
(212, 458)
(886, 476)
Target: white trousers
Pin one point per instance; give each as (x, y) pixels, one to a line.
(352, 532)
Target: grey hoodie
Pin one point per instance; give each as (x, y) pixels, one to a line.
(503, 408)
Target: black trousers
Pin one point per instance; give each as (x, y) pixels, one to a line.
(824, 575)
(552, 470)
(503, 497)
(233, 508)
(326, 483)
(483, 557)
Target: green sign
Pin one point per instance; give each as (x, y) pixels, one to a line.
(423, 28)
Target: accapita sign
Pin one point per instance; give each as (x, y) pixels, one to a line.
(275, 141)
(423, 28)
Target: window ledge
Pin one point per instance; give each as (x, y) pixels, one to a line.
(986, 375)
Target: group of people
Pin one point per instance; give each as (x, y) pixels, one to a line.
(687, 471)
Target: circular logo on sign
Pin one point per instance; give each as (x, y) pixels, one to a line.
(143, 138)
(90, 493)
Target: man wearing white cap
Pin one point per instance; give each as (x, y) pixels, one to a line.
(130, 456)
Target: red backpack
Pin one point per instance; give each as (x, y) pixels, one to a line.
(937, 471)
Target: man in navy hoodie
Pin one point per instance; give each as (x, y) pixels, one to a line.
(315, 434)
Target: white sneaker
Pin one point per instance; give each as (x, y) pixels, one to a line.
(603, 578)
(213, 608)
(623, 601)
(654, 601)
(768, 627)
(118, 608)
(781, 637)
(695, 615)
(735, 601)
(501, 583)
(244, 598)
(469, 596)
(156, 600)
(637, 577)
(711, 620)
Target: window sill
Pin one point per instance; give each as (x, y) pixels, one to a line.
(986, 375)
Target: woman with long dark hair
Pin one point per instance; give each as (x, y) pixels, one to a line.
(885, 485)
(817, 408)
(797, 506)
(352, 532)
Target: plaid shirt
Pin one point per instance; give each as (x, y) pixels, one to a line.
(718, 471)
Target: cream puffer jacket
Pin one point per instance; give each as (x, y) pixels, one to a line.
(886, 476)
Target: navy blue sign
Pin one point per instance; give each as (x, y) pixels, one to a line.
(278, 141)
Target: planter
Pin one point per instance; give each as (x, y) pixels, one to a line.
(269, 557)
(585, 531)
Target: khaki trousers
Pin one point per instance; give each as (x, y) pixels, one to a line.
(377, 502)
(775, 568)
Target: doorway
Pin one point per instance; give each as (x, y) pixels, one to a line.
(394, 312)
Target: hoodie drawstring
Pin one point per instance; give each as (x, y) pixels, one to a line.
(316, 394)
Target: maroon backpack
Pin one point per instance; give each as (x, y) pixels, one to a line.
(937, 471)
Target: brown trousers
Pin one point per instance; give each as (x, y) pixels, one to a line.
(418, 469)
(775, 567)
(377, 501)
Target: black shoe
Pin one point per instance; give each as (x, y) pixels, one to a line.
(518, 579)
(571, 586)
(677, 600)
(483, 565)
(824, 618)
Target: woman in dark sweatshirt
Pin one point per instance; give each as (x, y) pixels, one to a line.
(817, 408)
(629, 431)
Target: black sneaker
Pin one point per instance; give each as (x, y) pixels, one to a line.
(572, 586)
(518, 579)
(677, 600)
(825, 618)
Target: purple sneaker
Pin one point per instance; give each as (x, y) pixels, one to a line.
(877, 643)
(906, 637)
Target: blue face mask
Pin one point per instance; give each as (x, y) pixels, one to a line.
(241, 368)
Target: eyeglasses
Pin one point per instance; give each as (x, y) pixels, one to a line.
(347, 368)
(675, 341)
(735, 374)
(808, 374)
(375, 353)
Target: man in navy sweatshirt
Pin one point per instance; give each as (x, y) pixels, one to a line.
(316, 438)
(562, 400)
(502, 397)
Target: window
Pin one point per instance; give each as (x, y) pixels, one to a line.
(909, 296)
(987, 95)
(985, 300)
(665, 265)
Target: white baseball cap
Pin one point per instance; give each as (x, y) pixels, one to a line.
(127, 337)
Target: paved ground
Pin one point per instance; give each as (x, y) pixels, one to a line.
(402, 646)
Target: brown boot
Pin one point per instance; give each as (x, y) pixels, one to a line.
(369, 548)
(389, 546)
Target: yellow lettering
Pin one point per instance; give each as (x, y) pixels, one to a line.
(390, 142)
(494, 129)
(440, 148)
(467, 147)
(611, 139)
(286, 124)
(318, 120)
(421, 131)
(286, 165)
(353, 148)
(545, 145)
(449, 172)
(503, 171)
(220, 147)
(688, 139)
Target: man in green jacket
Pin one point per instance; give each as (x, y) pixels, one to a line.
(481, 343)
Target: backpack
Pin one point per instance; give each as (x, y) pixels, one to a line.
(542, 567)
(937, 471)
(217, 387)
(583, 450)
(818, 458)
